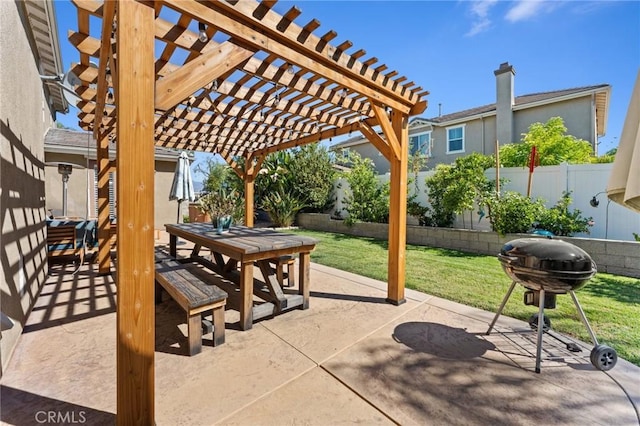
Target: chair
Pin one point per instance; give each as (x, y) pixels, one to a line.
(62, 242)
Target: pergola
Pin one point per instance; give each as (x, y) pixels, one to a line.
(247, 83)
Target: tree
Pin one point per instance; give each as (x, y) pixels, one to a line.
(313, 175)
(368, 200)
(216, 176)
(454, 189)
(552, 144)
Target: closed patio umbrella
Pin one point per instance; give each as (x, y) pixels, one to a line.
(182, 186)
(624, 182)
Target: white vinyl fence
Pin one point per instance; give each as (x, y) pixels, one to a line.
(585, 181)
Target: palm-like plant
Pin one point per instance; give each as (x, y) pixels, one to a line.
(282, 208)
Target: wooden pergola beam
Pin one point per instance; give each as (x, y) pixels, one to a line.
(387, 129)
(176, 86)
(108, 12)
(375, 139)
(135, 274)
(104, 224)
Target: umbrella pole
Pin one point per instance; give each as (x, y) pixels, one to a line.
(178, 219)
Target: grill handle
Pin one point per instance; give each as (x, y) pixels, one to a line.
(508, 259)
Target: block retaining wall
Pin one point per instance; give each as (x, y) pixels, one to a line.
(614, 257)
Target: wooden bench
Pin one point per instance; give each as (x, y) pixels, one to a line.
(162, 255)
(195, 291)
(62, 242)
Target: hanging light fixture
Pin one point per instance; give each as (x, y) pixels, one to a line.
(290, 69)
(202, 32)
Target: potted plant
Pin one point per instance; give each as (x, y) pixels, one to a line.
(220, 206)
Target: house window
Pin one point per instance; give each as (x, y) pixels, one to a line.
(345, 153)
(112, 193)
(455, 139)
(420, 144)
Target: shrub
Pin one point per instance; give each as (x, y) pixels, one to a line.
(274, 176)
(312, 176)
(512, 212)
(559, 220)
(368, 200)
(282, 208)
(453, 189)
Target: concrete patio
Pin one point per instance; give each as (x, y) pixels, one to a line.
(350, 358)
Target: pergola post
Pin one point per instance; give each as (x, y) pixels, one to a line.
(104, 224)
(249, 186)
(252, 165)
(395, 147)
(398, 211)
(135, 85)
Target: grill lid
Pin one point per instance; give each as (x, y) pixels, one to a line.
(553, 265)
(547, 255)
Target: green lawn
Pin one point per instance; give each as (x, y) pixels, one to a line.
(610, 302)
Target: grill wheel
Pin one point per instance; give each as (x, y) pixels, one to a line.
(603, 357)
(533, 322)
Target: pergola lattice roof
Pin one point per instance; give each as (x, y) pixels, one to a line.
(260, 83)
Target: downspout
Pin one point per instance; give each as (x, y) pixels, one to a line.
(483, 138)
(594, 127)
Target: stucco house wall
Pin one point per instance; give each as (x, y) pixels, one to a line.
(72, 147)
(380, 163)
(26, 113)
(576, 113)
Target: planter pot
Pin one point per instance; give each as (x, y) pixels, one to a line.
(222, 223)
(197, 215)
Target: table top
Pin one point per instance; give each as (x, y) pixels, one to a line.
(241, 239)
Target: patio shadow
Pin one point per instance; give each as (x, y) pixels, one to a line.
(441, 340)
(18, 407)
(66, 297)
(350, 297)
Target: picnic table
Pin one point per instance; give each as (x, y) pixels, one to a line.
(245, 247)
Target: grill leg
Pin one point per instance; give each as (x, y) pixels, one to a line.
(584, 318)
(540, 330)
(504, 302)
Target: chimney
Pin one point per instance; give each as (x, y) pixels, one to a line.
(504, 103)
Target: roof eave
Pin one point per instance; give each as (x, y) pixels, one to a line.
(47, 47)
(91, 152)
(562, 98)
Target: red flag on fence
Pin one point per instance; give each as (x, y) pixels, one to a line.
(533, 160)
(532, 165)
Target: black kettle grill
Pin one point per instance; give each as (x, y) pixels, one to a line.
(548, 267)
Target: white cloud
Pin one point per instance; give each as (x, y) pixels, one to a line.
(480, 13)
(528, 9)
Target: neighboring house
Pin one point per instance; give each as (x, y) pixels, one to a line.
(28, 48)
(444, 138)
(79, 149)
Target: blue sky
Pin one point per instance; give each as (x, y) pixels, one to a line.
(451, 48)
